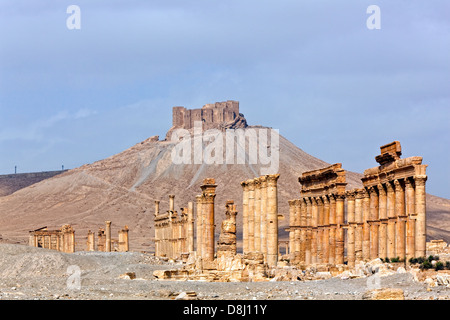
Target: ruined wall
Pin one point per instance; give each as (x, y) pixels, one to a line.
(215, 115)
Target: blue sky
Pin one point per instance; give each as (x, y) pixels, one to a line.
(311, 69)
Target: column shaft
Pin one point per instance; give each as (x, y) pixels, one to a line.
(420, 212)
(340, 229)
(272, 217)
(401, 219)
(392, 221)
(374, 215)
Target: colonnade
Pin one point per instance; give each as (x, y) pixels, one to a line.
(173, 232)
(105, 242)
(384, 219)
(260, 217)
(62, 239)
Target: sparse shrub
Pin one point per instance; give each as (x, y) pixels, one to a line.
(439, 266)
(447, 265)
(396, 259)
(426, 265)
(386, 260)
(413, 260)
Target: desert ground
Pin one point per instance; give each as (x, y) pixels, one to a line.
(28, 273)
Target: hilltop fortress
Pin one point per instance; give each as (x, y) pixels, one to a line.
(218, 115)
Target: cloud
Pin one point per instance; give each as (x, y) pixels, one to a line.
(36, 131)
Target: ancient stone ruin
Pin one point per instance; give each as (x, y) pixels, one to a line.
(174, 233)
(385, 219)
(62, 239)
(330, 227)
(218, 115)
(104, 241)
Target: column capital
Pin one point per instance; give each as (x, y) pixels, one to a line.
(351, 194)
(272, 179)
(420, 180)
(263, 181)
(381, 188)
(409, 182)
(390, 186)
(325, 199)
(251, 184)
(397, 183)
(244, 185)
(372, 190)
(340, 196)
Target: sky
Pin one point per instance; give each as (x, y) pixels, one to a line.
(312, 69)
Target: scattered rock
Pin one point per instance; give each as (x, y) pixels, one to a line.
(384, 294)
(128, 275)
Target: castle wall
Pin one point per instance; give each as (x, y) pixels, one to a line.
(210, 114)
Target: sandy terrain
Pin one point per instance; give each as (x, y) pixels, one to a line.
(28, 273)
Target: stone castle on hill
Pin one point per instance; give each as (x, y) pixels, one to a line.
(219, 115)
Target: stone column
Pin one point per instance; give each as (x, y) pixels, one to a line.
(190, 226)
(326, 229)
(108, 236)
(209, 194)
(373, 222)
(251, 215)
(382, 232)
(314, 214)
(296, 248)
(411, 219)
(156, 207)
(291, 229)
(340, 229)
(257, 215)
(392, 221)
(319, 229)
(420, 212)
(366, 228)
(171, 202)
(157, 236)
(303, 226)
(332, 246)
(308, 232)
(91, 241)
(263, 186)
(199, 220)
(351, 228)
(401, 218)
(272, 219)
(244, 185)
(123, 240)
(359, 225)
